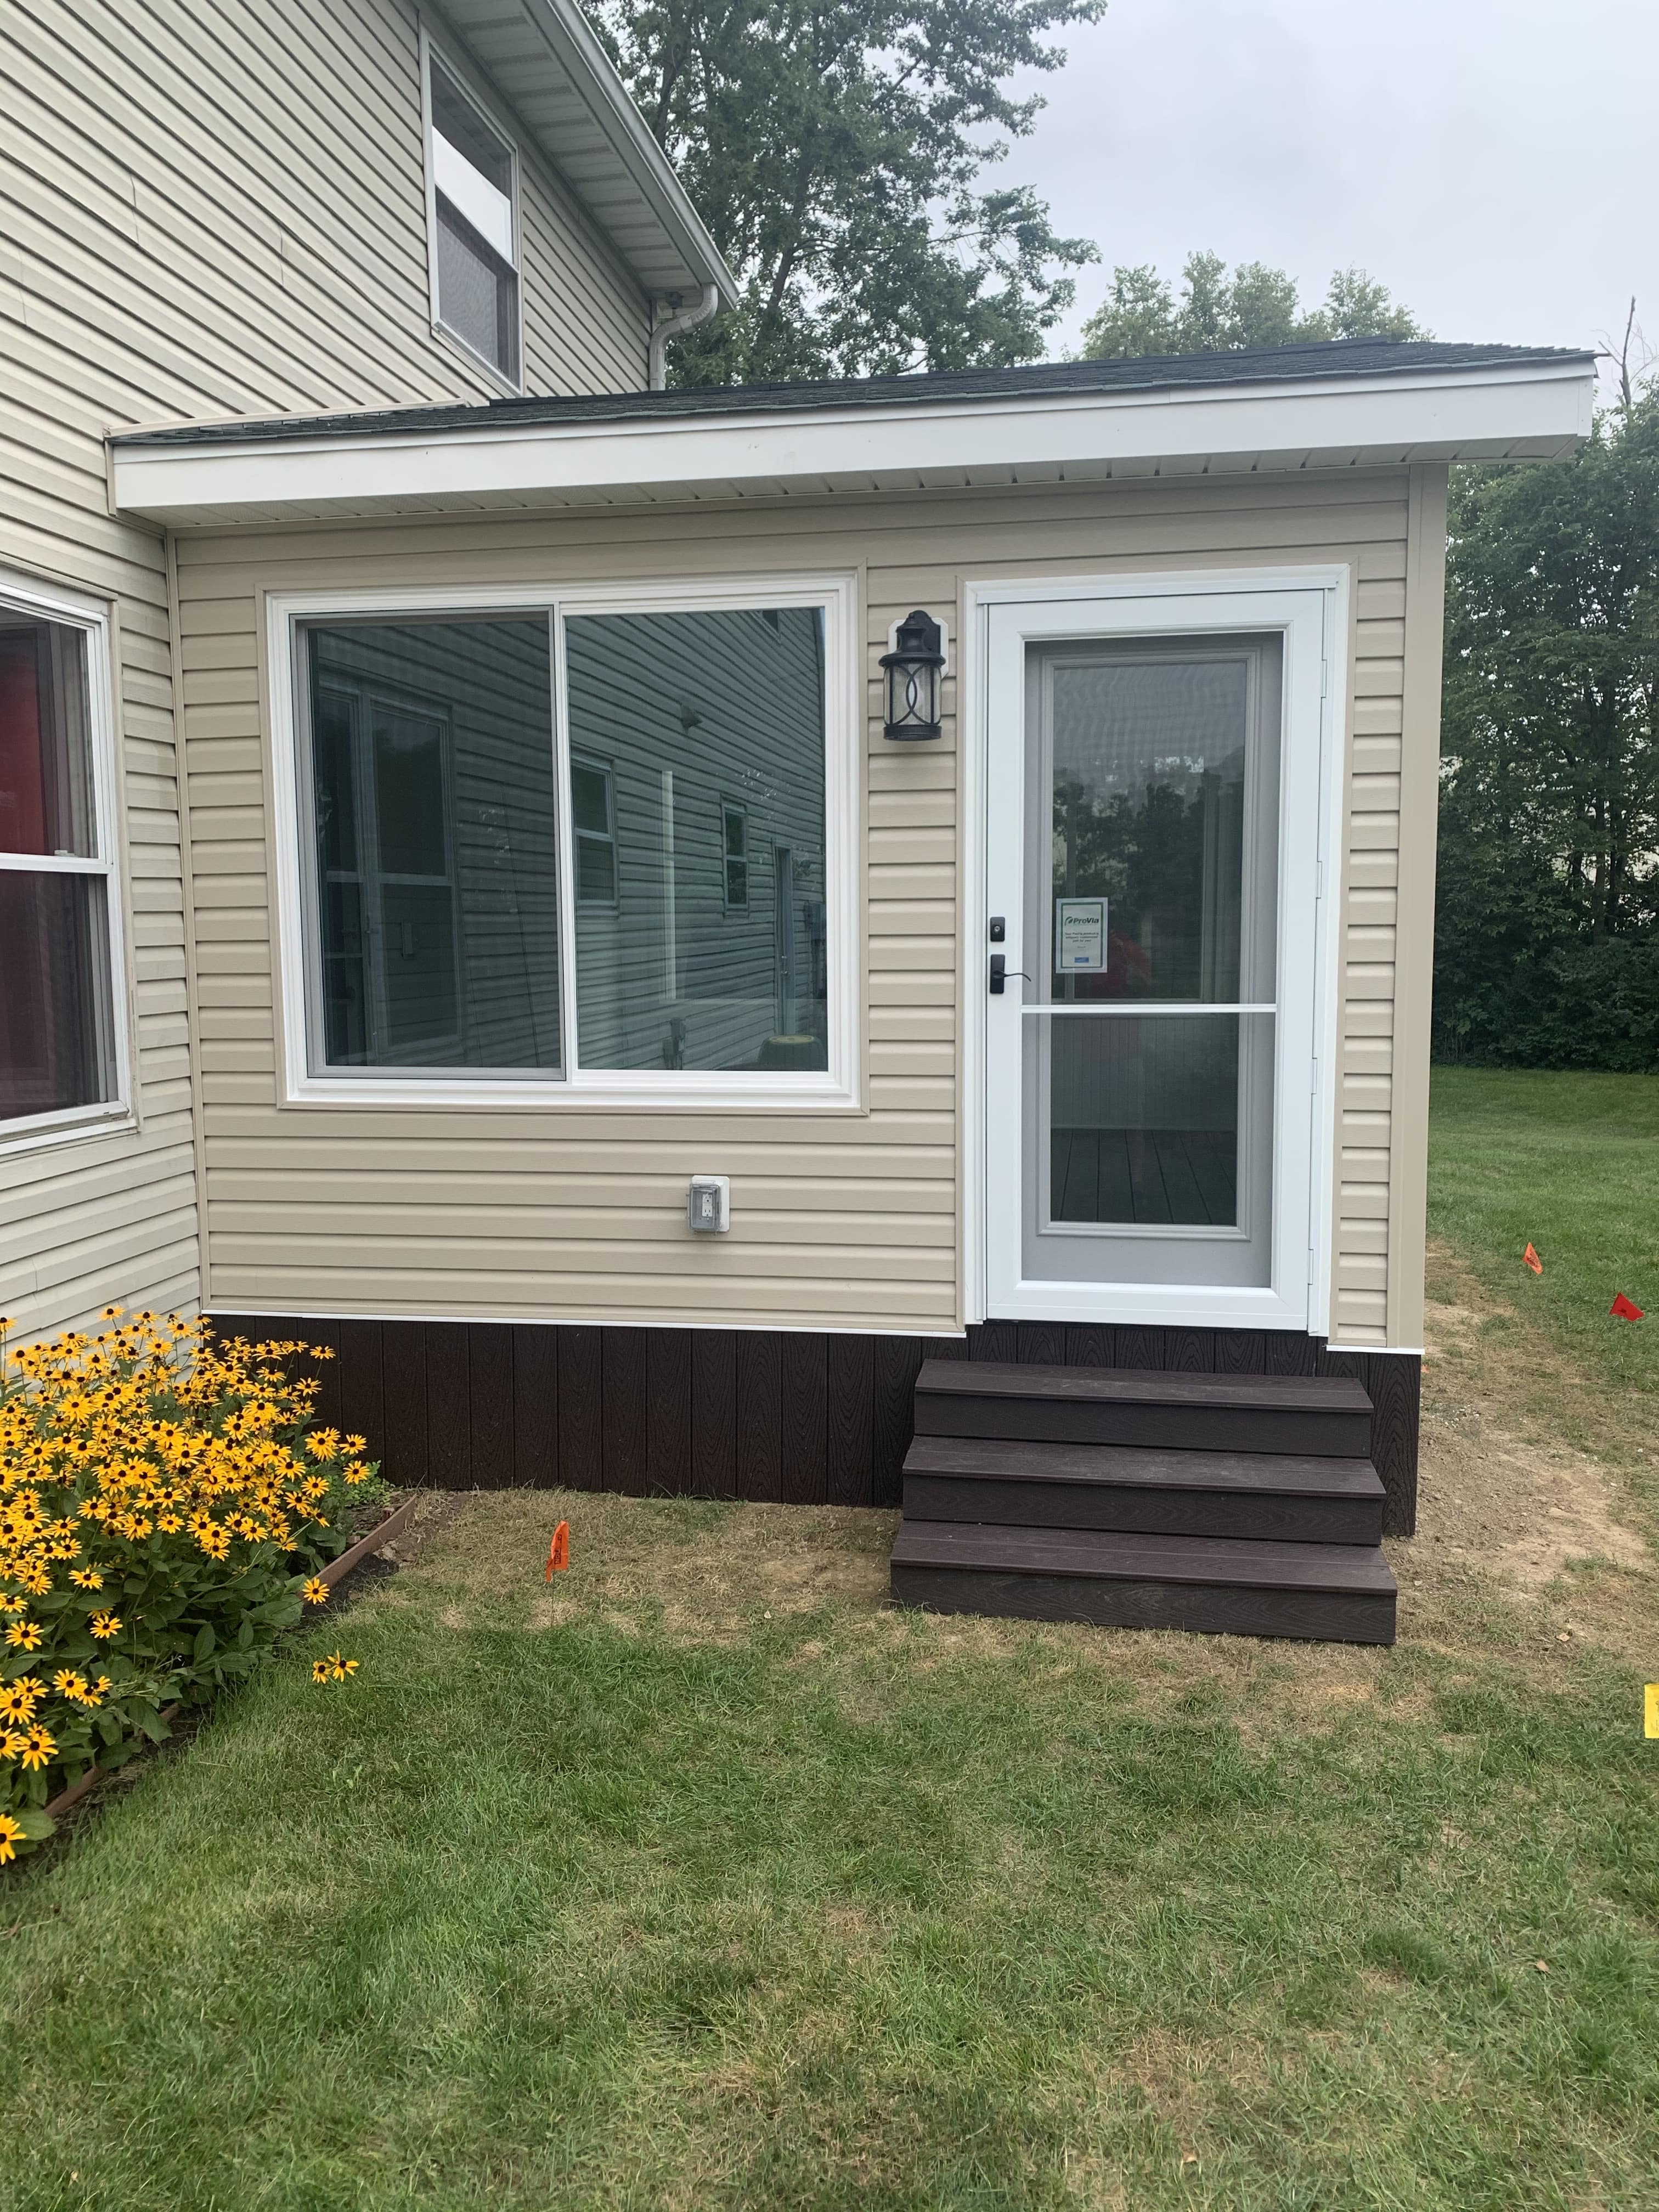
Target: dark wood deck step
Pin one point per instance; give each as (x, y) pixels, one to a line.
(1344, 1592)
(1271, 1495)
(1318, 1416)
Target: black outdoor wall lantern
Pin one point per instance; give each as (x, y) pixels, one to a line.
(913, 670)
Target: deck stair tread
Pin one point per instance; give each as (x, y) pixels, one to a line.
(997, 1459)
(1236, 1562)
(1321, 1393)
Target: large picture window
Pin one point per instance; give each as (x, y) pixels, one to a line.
(59, 1056)
(600, 846)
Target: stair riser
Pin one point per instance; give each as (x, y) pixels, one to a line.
(1318, 1616)
(1314, 1435)
(1289, 1519)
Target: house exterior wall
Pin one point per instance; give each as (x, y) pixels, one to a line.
(206, 213)
(847, 1221)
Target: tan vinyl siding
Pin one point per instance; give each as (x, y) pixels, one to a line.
(840, 1220)
(211, 209)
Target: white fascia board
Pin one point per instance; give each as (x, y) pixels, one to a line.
(1434, 415)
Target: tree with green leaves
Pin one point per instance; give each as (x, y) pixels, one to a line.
(1220, 311)
(837, 150)
(1547, 931)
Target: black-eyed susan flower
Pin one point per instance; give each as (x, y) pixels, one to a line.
(18, 1701)
(11, 1834)
(105, 1624)
(24, 1636)
(39, 1745)
(315, 1591)
(320, 1671)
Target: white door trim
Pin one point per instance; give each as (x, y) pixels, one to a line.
(1310, 606)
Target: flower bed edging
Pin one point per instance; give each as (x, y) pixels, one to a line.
(382, 1532)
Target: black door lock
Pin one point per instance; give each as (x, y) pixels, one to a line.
(999, 928)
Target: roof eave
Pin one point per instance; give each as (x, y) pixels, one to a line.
(683, 256)
(1533, 410)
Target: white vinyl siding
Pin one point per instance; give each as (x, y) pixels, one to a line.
(847, 1221)
(206, 212)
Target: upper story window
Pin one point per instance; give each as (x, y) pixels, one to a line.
(59, 919)
(473, 224)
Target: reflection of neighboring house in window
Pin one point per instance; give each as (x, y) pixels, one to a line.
(386, 841)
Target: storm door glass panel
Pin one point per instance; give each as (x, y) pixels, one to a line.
(435, 900)
(712, 727)
(1151, 861)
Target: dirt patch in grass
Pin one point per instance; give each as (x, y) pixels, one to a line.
(1526, 1511)
(1529, 1540)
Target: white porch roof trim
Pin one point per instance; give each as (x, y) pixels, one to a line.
(1527, 410)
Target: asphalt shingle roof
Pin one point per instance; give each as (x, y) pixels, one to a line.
(1348, 357)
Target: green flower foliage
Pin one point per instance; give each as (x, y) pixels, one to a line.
(158, 1493)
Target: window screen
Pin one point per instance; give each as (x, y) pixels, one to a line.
(435, 885)
(477, 281)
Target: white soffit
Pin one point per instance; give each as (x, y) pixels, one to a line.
(1535, 411)
(562, 87)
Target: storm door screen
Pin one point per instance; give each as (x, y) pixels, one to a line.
(1149, 875)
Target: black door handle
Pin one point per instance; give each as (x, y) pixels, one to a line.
(998, 975)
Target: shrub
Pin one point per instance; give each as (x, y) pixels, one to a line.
(163, 1499)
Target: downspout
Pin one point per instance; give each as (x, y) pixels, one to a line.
(671, 327)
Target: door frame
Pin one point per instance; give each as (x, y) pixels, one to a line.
(1309, 607)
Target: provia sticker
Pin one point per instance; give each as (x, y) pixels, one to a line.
(1080, 935)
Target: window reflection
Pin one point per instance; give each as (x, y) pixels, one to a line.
(711, 953)
(1148, 813)
(434, 796)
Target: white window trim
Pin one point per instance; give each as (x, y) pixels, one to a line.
(835, 1089)
(1174, 1305)
(447, 332)
(28, 595)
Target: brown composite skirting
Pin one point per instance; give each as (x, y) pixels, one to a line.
(791, 1416)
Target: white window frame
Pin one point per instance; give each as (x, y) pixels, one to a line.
(838, 1088)
(47, 603)
(447, 332)
(1309, 607)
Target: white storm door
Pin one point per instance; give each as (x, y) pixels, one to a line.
(1155, 808)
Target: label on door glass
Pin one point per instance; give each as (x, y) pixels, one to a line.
(1079, 936)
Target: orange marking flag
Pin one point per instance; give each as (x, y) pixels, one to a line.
(1533, 1261)
(1622, 1310)
(558, 1552)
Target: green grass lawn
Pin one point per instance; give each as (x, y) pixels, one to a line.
(704, 1880)
(1571, 1165)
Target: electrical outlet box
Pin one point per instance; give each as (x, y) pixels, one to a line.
(708, 1204)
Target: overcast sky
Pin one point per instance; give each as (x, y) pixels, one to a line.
(1494, 162)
